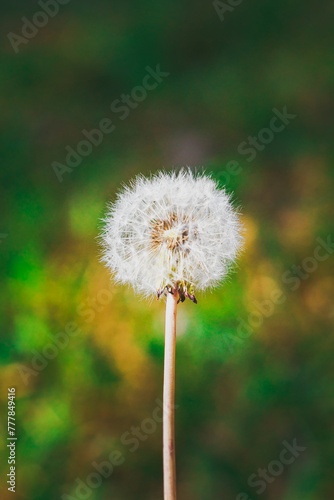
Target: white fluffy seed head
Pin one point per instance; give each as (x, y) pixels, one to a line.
(173, 230)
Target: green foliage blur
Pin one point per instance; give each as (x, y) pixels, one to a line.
(255, 357)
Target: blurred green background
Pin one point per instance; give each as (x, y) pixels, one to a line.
(246, 380)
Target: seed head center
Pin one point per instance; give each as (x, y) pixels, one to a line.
(172, 237)
(170, 233)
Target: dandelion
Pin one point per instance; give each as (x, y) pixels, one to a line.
(171, 235)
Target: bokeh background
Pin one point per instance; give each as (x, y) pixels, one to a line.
(241, 390)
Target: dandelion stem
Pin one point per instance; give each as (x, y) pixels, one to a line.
(169, 398)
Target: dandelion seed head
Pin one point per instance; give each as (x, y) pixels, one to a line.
(173, 230)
